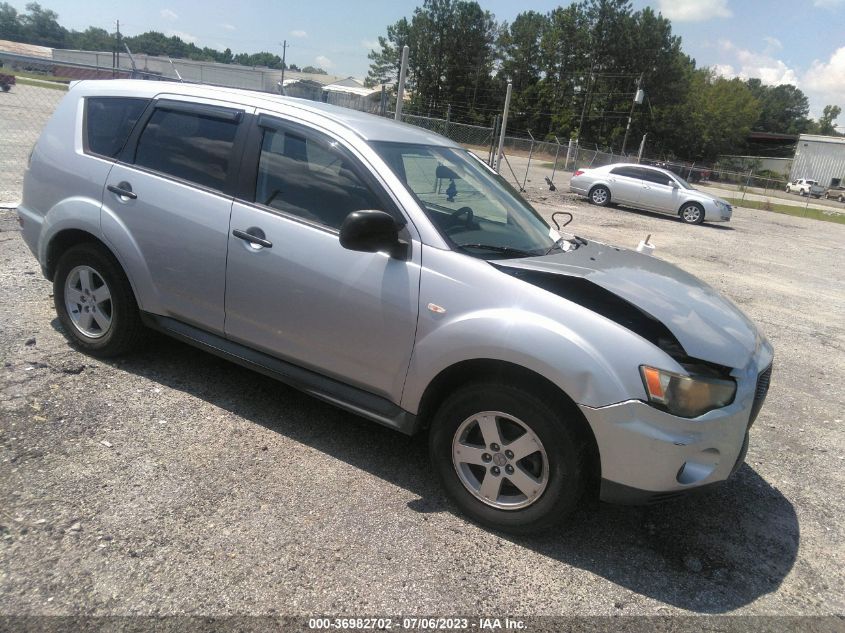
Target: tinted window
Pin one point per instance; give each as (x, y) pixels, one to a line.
(307, 175)
(655, 176)
(630, 172)
(190, 146)
(108, 122)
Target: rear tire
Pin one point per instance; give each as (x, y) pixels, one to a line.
(529, 493)
(600, 195)
(95, 302)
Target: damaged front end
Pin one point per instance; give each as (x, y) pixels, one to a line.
(690, 429)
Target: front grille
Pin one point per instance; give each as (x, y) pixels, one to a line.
(760, 393)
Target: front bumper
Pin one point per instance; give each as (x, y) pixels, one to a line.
(649, 455)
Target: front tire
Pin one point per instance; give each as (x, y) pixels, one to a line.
(506, 458)
(600, 195)
(692, 213)
(95, 302)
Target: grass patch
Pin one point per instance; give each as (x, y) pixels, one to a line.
(42, 84)
(20, 74)
(790, 209)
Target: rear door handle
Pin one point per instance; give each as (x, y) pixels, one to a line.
(123, 189)
(253, 236)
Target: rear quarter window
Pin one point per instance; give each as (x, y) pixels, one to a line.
(108, 123)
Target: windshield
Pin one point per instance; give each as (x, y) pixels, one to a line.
(474, 209)
(684, 183)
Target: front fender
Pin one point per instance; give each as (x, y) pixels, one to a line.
(470, 310)
(537, 343)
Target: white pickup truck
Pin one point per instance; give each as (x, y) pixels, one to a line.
(805, 187)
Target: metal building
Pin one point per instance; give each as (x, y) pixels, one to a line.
(821, 158)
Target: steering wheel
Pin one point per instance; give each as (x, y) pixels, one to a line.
(457, 214)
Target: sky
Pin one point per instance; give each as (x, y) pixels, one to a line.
(801, 42)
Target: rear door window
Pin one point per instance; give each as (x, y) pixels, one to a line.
(191, 146)
(109, 121)
(657, 177)
(629, 172)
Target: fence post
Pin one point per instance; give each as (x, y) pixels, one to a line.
(568, 153)
(747, 182)
(504, 125)
(400, 96)
(642, 146)
(528, 167)
(557, 154)
(448, 118)
(493, 140)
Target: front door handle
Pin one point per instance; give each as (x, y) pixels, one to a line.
(253, 236)
(123, 189)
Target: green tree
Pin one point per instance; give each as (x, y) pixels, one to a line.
(314, 70)
(784, 108)
(715, 118)
(92, 39)
(385, 63)
(827, 120)
(10, 25)
(41, 26)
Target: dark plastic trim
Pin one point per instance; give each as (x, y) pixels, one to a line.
(345, 396)
(612, 492)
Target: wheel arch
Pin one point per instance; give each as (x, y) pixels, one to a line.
(64, 240)
(491, 370)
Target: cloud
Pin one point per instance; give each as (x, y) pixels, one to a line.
(824, 81)
(772, 44)
(770, 70)
(169, 15)
(323, 62)
(695, 10)
(228, 27)
(185, 37)
(828, 4)
(299, 33)
(724, 70)
(370, 44)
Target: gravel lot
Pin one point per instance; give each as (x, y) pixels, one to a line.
(172, 482)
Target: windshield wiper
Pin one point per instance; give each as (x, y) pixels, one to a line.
(505, 250)
(575, 242)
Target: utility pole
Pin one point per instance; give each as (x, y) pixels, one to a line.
(586, 99)
(282, 83)
(631, 114)
(403, 71)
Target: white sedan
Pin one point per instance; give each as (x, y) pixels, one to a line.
(650, 189)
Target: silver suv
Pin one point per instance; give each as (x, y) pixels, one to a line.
(389, 271)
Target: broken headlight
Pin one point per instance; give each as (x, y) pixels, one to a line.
(686, 396)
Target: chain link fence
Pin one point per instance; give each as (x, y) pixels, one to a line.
(34, 86)
(31, 89)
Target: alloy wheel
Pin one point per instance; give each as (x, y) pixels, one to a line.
(88, 301)
(500, 460)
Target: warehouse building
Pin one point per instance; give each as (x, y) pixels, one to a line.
(821, 158)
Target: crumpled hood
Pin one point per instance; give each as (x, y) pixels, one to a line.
(708, 326)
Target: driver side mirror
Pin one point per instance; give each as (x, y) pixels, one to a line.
(672, 184)
(372, 231)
